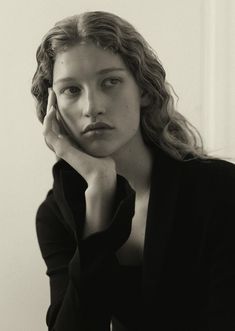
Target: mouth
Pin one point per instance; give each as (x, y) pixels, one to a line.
(97, 127)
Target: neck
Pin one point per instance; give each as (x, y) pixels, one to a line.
(134, 162)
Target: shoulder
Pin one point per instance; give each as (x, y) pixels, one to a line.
(211, 176)
(51, 229)
(215, 176)
(49, 217)
(212, 167)
(48, 207)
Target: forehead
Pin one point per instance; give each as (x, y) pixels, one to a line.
(85, 60)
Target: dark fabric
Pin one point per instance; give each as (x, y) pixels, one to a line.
(188, 271)
(127, 298)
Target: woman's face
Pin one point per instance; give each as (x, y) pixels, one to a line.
(94, 85)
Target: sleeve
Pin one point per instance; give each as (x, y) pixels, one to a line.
(220, 309)
(80, 271)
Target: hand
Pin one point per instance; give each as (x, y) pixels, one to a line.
(98, 172)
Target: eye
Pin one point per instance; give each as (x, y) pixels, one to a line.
(112, 81)
(70, 90)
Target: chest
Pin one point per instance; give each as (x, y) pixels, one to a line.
(131, 253)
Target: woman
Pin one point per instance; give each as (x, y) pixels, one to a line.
(137, 228)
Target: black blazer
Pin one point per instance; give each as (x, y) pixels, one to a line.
(189, 249)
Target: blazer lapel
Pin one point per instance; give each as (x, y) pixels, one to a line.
(160, 222)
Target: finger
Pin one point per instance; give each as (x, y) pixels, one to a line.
(63, 148)
(59, 144)
(50, 141)
(49, 145)
(55, 124)
(51, 122)
(47, 123)
(56, 143)
(52, 133)
(51, 99)
(61, 124)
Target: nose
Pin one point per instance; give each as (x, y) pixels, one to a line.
(93, 104)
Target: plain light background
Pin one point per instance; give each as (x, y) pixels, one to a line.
(194, 40)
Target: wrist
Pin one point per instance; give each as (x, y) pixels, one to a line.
(99, 207)
(102, 183)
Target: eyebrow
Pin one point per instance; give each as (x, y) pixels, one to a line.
(100, 72)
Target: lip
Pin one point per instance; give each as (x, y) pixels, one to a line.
(97, 126)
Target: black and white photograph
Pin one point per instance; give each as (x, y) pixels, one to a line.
(118, 165)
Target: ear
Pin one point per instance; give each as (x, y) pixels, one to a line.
(144, 99)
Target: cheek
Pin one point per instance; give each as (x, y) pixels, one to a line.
(67, 108)
(130, 119)
(132, 111)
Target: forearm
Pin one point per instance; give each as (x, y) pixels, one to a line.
(99, 206)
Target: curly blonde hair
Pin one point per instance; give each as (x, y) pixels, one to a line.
(161, 124)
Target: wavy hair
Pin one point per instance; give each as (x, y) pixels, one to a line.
(161, 124)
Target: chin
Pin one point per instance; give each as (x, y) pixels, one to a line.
(99, 152)
(106, 148)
